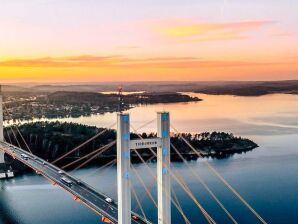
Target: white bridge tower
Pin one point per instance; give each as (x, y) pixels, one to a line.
(5, 172)
(2, 162)
(124, 145)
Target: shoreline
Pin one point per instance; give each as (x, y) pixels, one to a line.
(51, 140)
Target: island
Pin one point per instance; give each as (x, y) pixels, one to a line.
(51, 140)
(62, 104)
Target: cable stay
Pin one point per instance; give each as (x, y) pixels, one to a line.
(18, 130)
(168, 196)
(27, 146)
(138, 202)
(175, 198)
(86, 142)
(147, 123)
(144, 186)
(83, 144)
(15, 137)
(155, 178)
(216, 173)
(96, 152)
(204, 185)
(150, 187)
(102, 168)
(11, 129)
(8, 135)
(93, 157)
(185, 188)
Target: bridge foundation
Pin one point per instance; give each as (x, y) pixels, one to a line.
(123, 169)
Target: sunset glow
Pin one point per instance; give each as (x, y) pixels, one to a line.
(88, 40)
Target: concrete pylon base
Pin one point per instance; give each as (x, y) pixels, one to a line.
(4, 172)
(2, 175)
(9, 174)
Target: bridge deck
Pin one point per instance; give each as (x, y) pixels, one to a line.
(81, 191)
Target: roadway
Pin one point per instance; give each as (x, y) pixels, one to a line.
(81, 191)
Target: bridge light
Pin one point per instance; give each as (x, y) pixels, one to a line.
(164, 134)
(126, 136)
(165, 117)
(125, 119)
(126, 155)
(76, 198)
(164, 170)
(164, 151)
(105, 219)
(126, 175)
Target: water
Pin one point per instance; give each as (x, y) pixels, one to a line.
(266, 177)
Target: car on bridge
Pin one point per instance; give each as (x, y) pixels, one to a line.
(79, 182)
(24, 156)
(134, 217)
(109, 200)
(67, 181)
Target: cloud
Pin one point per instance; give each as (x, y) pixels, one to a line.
(118, 61)
(196, 32)
(73, 61)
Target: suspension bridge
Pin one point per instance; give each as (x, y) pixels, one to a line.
(120, 211)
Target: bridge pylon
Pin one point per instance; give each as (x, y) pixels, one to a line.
(163, 166)
(124, 145)
(2, 161)
(123, 169)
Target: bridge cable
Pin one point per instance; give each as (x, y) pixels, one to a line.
(150, 187)
(144, 186)
(89, 154)
(93, 157)
(15, 137)
(27, 146)
(216, 173)
(10, 127)
(205, 185)
(147, 123)
(8, 135)
(13, 133)
(178, 203)
(187, 190)
(111, 163)
(175, 204)
(107, 165)
(138, 202)
(18, 132)
(155, 178)
(83, 144)
(184, 186)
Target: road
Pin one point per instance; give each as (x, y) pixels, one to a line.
(81, 191)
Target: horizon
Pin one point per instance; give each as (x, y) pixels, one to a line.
(140, 82)
(82, 41)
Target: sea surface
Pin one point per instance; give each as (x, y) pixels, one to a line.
(266, 177)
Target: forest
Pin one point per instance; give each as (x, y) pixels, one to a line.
(51, 140)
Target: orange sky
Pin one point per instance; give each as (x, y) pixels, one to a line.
(96, 41)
